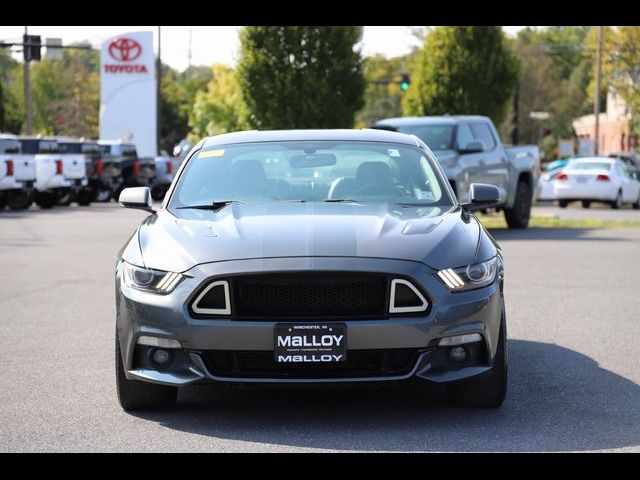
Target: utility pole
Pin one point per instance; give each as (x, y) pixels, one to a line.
(596, 103)
(515, 133)
(28, 118)
(190, 36)
(159, 88)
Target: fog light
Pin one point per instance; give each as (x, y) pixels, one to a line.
(458, 354)
(158, 342)
(160, 356)
(459, 339)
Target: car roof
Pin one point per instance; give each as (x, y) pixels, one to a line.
(38, 137)
(76, 140)
(363, 135)
(594, 159)
(431, 120)
(114, 142)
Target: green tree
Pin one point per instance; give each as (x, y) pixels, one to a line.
(564, 45)
(380, 100)
(463, 70)
(301, 77)
(220, 108)
(178, 96)
(11, 86)
(548, 84)
(620, 66)
(66, 94)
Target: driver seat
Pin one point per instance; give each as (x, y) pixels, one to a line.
(374, 173)
(368, 173)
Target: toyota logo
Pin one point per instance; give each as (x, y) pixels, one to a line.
(124, 49)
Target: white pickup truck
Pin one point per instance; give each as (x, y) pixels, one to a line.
(470, 151)
(59, 177)
(17, 174)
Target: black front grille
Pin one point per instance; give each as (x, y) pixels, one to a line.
(359, 363)
(311, 295)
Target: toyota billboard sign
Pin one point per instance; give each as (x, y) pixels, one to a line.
(128, 91)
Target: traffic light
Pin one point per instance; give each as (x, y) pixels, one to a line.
(406, 81)
(31, 47)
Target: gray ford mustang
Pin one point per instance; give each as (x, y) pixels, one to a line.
(310, 256)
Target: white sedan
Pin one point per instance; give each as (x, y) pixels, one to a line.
(597, 179)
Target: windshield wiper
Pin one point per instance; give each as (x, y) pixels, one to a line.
(407, 205)
(215, 205)
(340, 200)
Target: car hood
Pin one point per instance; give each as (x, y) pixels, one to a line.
(439, 238)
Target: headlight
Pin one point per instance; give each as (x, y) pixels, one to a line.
(470, 277)
(154, 281)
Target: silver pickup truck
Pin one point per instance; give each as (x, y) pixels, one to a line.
(470, 151)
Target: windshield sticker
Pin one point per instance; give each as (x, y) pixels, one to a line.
(393, 152)
(211, 153)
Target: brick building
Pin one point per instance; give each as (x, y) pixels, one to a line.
(614, 127)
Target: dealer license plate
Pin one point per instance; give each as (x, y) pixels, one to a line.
(310, 342)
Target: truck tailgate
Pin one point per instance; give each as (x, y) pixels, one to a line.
(74, 166)
(24, 166)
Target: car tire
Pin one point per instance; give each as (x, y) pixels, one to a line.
(84, 198)
(586, 203)
(563, 203)
(45, 200)
(3, 202)
(19, 200)
(518, 215)
(65, 199)
(636, 204)
(490, 389)
(617, 203)
(102, 195)
(136, 395)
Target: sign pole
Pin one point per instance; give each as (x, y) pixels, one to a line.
(28, 113)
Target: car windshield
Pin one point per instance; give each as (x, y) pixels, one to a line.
(312, 171)
(437, 137)
(589, 166)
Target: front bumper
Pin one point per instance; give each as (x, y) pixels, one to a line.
(167, 316)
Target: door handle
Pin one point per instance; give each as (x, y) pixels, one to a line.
(481, 162)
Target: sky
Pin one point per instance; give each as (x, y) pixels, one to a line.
(212, 44)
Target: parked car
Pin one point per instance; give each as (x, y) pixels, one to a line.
(17, 174)
(101, 178)
(470, 151)
(59, 177)
(165, 169)
(132, 170)
(597, 179)
(310, 256)
(631, 161)
(545, 183)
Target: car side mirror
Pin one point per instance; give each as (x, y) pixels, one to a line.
(481, 196)
(136, 197)
(475, 146)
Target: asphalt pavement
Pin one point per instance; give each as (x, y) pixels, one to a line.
(573, 306)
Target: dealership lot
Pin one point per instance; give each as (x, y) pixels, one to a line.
(572, 305)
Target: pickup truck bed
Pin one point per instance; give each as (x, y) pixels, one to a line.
(469, 150)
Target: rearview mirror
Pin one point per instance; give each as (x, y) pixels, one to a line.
(481, 196)
(475, 146)
(136, 197)
(312, 160)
